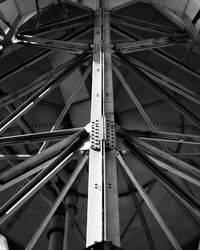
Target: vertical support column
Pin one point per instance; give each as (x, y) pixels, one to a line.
(103, 212)
(71, 202)
(56, 230)
(95, 188)
(111, 210)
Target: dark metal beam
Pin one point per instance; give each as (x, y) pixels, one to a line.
(22, 122)
(191, 28)
(140, 213)
(77, 87)
(56, 204)
(142, 25)
(165, 136)
(137, 104)
(86, 19)
(148, 44)
(71, 47)
(165, 80)
(12, 31)
(38, 12)
(42, 178)
(127, 226)
(34, 85)
(165, 55)
(43, 91)
(161, 92)
(134, 98)
(171, 163)
(149, 204)
(37, 137)
(173, 187)
(69, 37)
(38, 159)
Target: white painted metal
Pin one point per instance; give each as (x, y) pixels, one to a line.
(103, 214)
(3, 243)
(95, 187)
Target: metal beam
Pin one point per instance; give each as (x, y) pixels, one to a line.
(25, 175)
(58, 201)
(71, 47)
(39, 180)
(166, 81)
(86, 19)
(22, 122)
(149, 44)
(40, 94)
(69, 37)
(191, 28)
(149, 204)
(165, 136)
(174, 164)
(188, 213)
(35, 84)
(16, 157)
(187, 199)
(138, 105)
(68, 104)
(171, 167)
(103, 214)
(38, 12)
(165, 55)
(134, 99)
(38, 159)
(143, 25)
(161, 92)
(126, 228)
(12, 32)
(37, 137)
(25, 64)
(140, 212)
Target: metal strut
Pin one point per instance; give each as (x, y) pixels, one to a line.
(103, 214)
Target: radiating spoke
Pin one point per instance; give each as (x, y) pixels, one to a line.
(57, 203)
(150, 205)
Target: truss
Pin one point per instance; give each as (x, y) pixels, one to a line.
(109, 143)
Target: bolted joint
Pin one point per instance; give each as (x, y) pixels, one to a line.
(110, 135)
(95, 135)
(103, 130)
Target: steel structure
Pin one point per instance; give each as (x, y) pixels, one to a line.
(108, 142)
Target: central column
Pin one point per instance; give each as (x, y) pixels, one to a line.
(103, 211)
